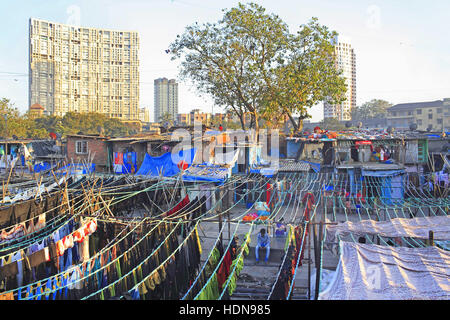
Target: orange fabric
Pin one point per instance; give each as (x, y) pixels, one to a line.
(60, 248)
(7, 296)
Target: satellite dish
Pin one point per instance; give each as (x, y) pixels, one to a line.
(413, 126)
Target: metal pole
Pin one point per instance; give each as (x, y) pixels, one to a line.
(309, 261)
(220, 215)
(318, 266)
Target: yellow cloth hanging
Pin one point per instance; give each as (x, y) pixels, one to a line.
(198, 240)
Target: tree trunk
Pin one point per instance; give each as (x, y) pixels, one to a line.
(255, 116)
(294, 124)
(241, 119)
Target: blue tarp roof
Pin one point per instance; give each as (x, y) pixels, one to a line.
(166, 164)
(206, 172)
(382, 173)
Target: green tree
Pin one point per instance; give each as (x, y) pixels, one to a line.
(306, 75)
(250, 63)
(227, 59)
(50, 123)
(332, 124)
(167, 118)
(375, 108)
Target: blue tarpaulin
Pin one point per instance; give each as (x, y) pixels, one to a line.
(44, 166)
(382, 173)
(129, 159)
(391, 184)
(314, 166)
(166, 165)
(206, 172)
(75, 168)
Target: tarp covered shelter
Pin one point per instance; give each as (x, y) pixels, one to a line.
(398, 227)
(165, 165)
(218, 171)
(373, 272)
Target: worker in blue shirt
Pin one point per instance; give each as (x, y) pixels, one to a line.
(263, 242)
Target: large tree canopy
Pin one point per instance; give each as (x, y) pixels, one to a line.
(375, 108)
(250, 63)
(25, 126)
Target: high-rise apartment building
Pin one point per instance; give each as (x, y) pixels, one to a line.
(166, 98)
(78, 69)
(144, 114)
(345, 61)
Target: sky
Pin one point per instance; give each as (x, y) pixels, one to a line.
(402, 48)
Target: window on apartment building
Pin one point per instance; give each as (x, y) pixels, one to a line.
(419, 122)
(419, 111)
(439, 121)
(81, 147)
(430, 116)
(394, 113)
(439, 110)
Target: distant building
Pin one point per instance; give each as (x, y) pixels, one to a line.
(78, 69)
(221, 117)
(432, 115)
(144, 115)
(36, 110)
(165, 98)
(184, 119)
(197, 115)
(188, 119)
(345, 61)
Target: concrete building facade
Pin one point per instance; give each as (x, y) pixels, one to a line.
(144, 115)
(430, 115)
(165, 98)
(79, 69)
(345, 61)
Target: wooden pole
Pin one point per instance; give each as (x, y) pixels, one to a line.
(431, 238)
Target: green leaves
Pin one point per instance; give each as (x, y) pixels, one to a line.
(375, 108)
(249, 62)
(25, 126)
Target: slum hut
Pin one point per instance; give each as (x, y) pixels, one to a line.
(15, 152)
(315, 151)
(384, 181)
(87, 150)
(126, 154)
(47, 154)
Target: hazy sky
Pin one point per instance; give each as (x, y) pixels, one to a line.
(402, 47)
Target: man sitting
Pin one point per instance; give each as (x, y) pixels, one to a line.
(263, 242)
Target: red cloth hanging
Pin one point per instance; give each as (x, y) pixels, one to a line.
(224, 270)
(118, 159)
(183, 203)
